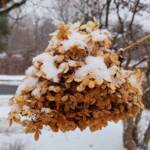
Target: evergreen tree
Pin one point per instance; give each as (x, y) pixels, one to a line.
(4, 31)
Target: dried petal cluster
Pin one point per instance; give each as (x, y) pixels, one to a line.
(76, 82)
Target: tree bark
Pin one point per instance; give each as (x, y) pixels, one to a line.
(135, 129)
(107, 12)
(128, 135)
(146, 139)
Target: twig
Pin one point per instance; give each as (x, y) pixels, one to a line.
(138, 42)
(11, 5)
(141, 61)
(146, 91)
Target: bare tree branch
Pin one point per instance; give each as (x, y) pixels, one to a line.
(108, 2)
(136, 43)
(118, 15)
(141, 61)
(134, 13)
(146, 91)
(11, 5)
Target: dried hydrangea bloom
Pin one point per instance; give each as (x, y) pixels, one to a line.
(76, 82)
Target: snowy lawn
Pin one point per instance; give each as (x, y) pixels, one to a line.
(13, 138)
(11, 79)
(109, 138)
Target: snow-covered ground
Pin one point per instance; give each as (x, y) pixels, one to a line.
(106, 139)
(109, 138)
(12, 138)
(11, 79)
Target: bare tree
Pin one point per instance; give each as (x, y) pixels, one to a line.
(27, 38)
(88, 9)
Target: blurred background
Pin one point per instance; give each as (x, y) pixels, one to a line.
(24, 32)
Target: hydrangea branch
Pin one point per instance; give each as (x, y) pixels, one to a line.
(137, 43)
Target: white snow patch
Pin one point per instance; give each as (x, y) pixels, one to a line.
(52, 88)
(11, 77)
(48, 67)
(63, 67)
(26, 108)
(133, 80)
(4, 110)
(4, 100)
(76, 39)
(14, 108)
(85, 140)
(3, 55)
(46, 110)
(72, 63)
(49, 44)
(109, 138)
(36, 93)
(106, 32)
(55, 33)
(96, 66)
(97, 36)
(28, 84)
(54, 40)
(75, 26)
(31, 71)
(100, 35)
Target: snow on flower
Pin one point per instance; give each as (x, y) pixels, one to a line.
(14, 108)
(96, 66)
(31, 71)
(26, 108)
(28, 84)
(45, 110)
(48, 67)
(36, 93)
(76, 39)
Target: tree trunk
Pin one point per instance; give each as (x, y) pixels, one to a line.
(146, 139)
(107, 12)
(128, 135)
